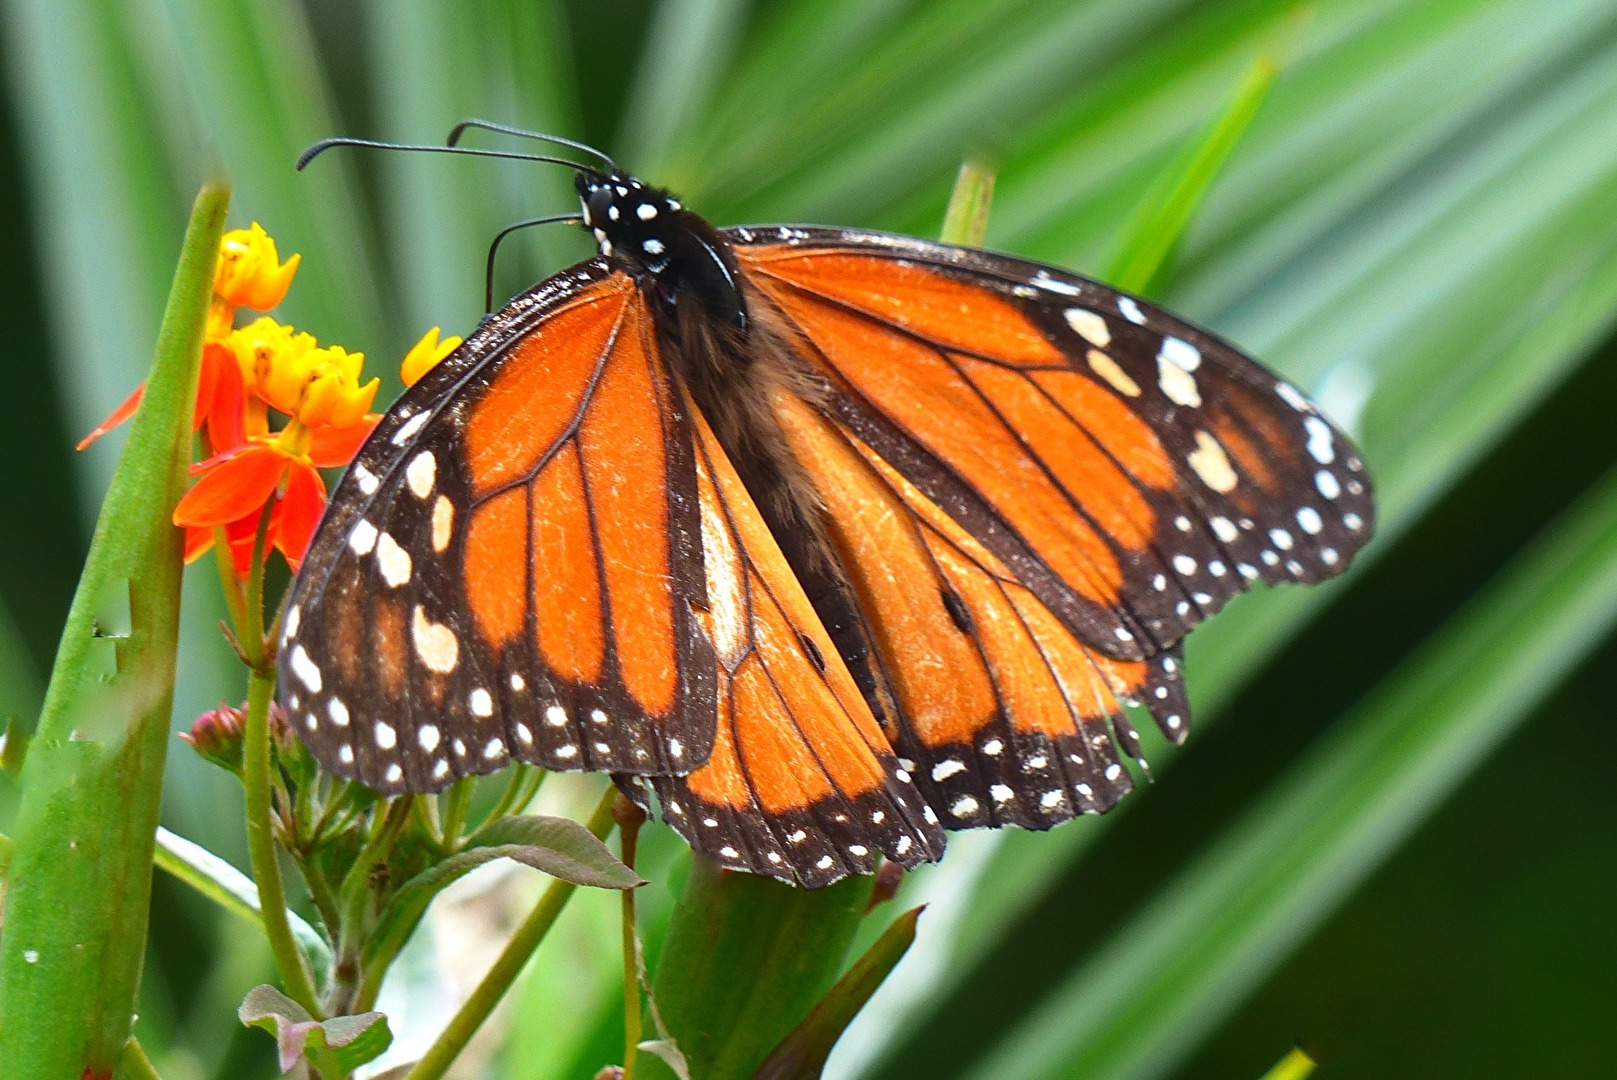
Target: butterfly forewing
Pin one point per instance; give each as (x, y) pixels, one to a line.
(509, 568)
(1131, 470)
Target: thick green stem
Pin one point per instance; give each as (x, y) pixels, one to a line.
(508, 965)
(255, 777)
(79, 889)
(630, 817)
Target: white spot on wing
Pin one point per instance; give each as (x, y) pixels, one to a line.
(947, 768)
(306, 670)
(1131, 311)
(1182, 354)
(408, 430)
(363, 538)
(1321, 443)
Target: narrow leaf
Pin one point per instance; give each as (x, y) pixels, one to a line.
(1194, 954)
(354, 1040)
(803, 1053)
(744, 961)
(1294, 1066)
(75, 914)
(1160, 220)
(561, 847)
(234, 891)
(966, 220)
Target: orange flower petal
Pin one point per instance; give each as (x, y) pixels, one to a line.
(119, 415)
(234, 488)
(299, 512)
(227, 428)
(198, 542)
(331, 448)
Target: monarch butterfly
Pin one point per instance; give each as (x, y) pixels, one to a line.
(833, 539)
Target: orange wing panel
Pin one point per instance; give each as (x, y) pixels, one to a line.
(541, 389)
(941, 309)
(948, 415)
(801, 784)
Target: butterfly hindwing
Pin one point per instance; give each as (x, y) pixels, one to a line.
(509, 567)
(801, 784)
(1131, 470)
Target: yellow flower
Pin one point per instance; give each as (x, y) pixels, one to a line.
(289, 371)
(425, 354)
(250, 272)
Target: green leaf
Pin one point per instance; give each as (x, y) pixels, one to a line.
(75, 915)
(1294, 1066)
(561, 847)
(1149, 236)
(803, 1053)
(966, 220)
(233, 891)
(353, 1040)
(745, 960)
(1179, 965)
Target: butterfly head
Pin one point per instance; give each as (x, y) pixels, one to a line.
(678, 257)
(630, 220)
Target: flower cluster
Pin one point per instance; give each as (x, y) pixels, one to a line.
(273, 408)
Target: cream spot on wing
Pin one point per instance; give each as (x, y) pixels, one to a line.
(435, 643)
(393, 561)
(1224, 529)
(422, 473)
(1116, 377)
(443, 523)
(1178, 384)
(1090, 326)
(947, 768)
(1212, 464)
(723, 590)
(482, 702)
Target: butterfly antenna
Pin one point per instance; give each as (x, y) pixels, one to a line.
(326, 144)
(522, 133)
(494, 246)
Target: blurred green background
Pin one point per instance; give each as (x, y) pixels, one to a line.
(1391, 839)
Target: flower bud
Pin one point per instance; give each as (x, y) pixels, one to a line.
(250, 273)
(217, 736)
(425, 355)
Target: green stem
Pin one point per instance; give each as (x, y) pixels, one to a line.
(230, 889)
(508, 965)
(629, 835)
(255, 777)
(456, 802)
(351, 983)
(135, 1065)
